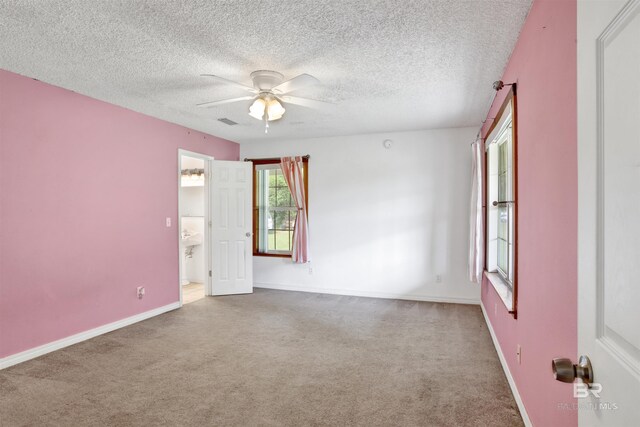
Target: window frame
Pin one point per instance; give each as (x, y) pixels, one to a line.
(273, 161)
(507, 290)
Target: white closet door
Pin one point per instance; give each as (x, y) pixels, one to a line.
(609, 210)
(231, 228)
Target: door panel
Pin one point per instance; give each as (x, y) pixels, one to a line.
(609, 207)
(231, 228)
(619, 177)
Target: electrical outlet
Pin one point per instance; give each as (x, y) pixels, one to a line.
(140, 292)
(438, 278)
(168, 222)
(519, 354)
(310, 270)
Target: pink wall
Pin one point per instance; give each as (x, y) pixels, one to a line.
(544, 66)
(85, 189)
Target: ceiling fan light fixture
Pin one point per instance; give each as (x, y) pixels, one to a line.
(275, 110)
(256, 110)
(269, 105)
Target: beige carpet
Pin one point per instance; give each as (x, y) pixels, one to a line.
(273, 358)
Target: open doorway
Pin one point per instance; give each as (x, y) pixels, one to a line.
(193, 213)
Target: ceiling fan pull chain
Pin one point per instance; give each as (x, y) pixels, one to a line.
(266, 122)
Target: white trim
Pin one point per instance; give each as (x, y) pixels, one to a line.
(502, 289)
(499, 128)
(32, 353)
(368, 294)
(268, 166)
(505, 367)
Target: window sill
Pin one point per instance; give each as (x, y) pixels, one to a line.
(272, 255)
(502, 289)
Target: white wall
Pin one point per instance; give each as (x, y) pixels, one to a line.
(383, 222)
(192, 201)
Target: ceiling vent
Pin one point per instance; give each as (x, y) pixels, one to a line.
(227, 121)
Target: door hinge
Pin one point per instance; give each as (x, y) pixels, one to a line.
(210, 223)
(209, 273)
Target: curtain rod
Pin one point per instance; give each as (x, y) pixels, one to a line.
(497, 86)
(306, 156)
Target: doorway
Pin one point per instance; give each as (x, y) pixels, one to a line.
(193, 222)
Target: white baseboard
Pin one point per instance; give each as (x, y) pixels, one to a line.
(507, 372)
(359, 293)
(32, 353)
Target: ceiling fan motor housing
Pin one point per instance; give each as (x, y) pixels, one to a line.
(265, 80)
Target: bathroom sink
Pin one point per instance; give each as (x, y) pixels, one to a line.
(191, 239)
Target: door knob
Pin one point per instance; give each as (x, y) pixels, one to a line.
(248, 234)
(564, 370)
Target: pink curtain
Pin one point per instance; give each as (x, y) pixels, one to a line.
(476, 225)
(292, 171)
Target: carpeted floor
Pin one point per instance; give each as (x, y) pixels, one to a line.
(273, 358)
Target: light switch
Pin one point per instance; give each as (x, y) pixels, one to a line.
(168, 222)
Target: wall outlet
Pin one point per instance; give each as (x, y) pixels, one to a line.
(519, 354)
(310, 270)
(140, 292)
(438, 278)
(168, 221)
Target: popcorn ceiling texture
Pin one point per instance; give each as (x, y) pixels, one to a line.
(387, 65)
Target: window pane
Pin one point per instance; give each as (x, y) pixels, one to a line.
(272, 196)
(503, 240)
(502, 160)
(282, 241)
(503, 259)
(279, 220)
(283, 197)
(272, 241)
(502, 188)
(291, 239)
(503, 223)
(511, 230)
(502, 172)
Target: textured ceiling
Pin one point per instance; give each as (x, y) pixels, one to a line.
(386, 65)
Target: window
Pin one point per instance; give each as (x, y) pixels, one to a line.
(501, 202)
(275, 211)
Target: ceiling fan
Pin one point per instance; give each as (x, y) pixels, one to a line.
(268, 93)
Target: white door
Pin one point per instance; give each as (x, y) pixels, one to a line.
(231, 227)
(609, 209)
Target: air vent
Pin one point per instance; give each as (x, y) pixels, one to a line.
(227, 121)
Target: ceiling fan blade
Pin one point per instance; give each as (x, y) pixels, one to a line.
(298, 82)
(224, 101)
(305, 102)
(231, 82)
